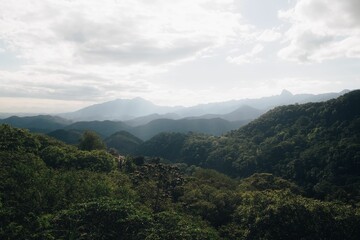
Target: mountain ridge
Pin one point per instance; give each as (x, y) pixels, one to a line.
(127, 109)
(316, 145)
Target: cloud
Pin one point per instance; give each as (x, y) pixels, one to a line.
(107, 48)
(67, 85)
(321, 30)
(127, 31)
(269, 35)
(250, 57)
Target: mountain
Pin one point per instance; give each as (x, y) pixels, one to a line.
(242, 113)
(119, 109)
(104, 128)
(51, 190)
(264, 104)
(214, 126)
(146, 119)
(316, 145)
(41, 123)
(124, 142)
(134, 109)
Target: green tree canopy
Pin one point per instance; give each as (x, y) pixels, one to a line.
(91, 141)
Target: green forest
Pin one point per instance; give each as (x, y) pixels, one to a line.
(293, 173)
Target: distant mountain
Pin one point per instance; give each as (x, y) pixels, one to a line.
(264, 104)
(146, 119)
(124, 142)
(243, 113)
(240, 114)
(149, 119)
(139, 111)
(215, 126)
(104, 128)
(41, 123)
(119, 109)
(316, 145)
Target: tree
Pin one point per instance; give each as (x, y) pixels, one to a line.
(91, 141)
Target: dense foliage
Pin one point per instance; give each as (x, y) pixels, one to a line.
(316, 145)
(297, 171)
(124, 142)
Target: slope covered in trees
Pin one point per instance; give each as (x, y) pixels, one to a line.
(316, 145)
(50, 190)
(124, 142)
(41, 123)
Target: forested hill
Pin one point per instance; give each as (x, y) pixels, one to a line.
(50, 190)
(317, 145)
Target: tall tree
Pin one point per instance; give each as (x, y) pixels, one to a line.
(91, 141)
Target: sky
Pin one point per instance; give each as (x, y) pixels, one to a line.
(61, 55)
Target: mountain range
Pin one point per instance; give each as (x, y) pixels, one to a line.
(119, 110)
(315, 145)
(129, 109)
(40, 123)
(144, 119)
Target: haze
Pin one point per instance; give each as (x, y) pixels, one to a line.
(58, 56)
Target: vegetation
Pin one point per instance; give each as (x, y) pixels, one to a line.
(124, 142)
(315, 145)
(295, 176)
(91, 141)
(68, 136)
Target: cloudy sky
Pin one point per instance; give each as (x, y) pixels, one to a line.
(60, 55)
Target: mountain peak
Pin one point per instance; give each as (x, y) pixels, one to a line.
(139, 99)
(286, 93)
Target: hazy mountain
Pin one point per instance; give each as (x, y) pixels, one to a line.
(240, 114)
(243, 113)
(146, 119)
(119, 109)
(214, 118)
(264, 104)
(142, 111)
(19, 114)
(104, 128)
(41, 123)
(214, 126)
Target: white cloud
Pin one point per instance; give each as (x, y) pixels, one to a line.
(108, 45)
(322, 29)
(269, 35)
(250, 57)
(127, 31)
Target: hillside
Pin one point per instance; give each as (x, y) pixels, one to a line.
(104, 128)
(124, 142)
(50, 190)
(67, 136)
(317, 145)
(214, 126)
(208, 126)
(40, 123)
